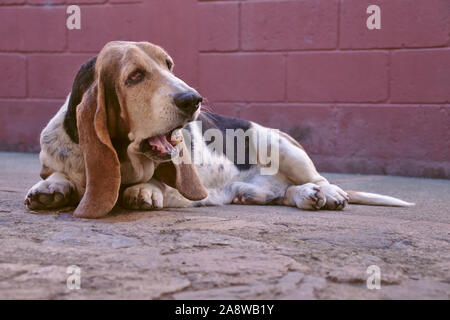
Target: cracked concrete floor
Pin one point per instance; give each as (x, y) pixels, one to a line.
(230, 252)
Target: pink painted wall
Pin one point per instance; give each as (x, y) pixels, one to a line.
(359, 100)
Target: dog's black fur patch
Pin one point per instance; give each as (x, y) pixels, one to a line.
(216, 121)
(82, 82)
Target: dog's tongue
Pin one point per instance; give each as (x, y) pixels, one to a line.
(161, 144)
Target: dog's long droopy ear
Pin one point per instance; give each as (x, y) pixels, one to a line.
(100, 158)
(182, 176)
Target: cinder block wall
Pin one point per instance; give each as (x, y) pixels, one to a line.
(359, 100)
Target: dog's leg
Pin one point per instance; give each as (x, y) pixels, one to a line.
(56, 191)
(296, 165)
(297, 168)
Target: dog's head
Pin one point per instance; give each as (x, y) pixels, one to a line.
(134, 104)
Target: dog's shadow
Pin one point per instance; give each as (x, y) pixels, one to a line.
(117, 214)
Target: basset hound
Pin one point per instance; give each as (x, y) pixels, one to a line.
(130, 131)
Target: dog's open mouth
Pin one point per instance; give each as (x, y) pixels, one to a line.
(163, 145)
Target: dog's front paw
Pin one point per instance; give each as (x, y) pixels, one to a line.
(144, 196)
(50, 195)
(337, 198)
(308, 196)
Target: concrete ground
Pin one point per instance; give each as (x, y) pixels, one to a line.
(230, 252)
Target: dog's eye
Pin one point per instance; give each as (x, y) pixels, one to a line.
(135, 77)
(169, 64)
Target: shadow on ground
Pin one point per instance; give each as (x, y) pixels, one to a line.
(230, 252)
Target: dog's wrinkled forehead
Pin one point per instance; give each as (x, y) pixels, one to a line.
(120, 58)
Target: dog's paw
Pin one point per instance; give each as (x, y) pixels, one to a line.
(50, 195)
(336, 198)
(144, 196)
(247, 198)
(308, 196)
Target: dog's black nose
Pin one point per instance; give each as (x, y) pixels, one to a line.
(188, 101)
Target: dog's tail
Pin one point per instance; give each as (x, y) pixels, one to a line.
(374, 199)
